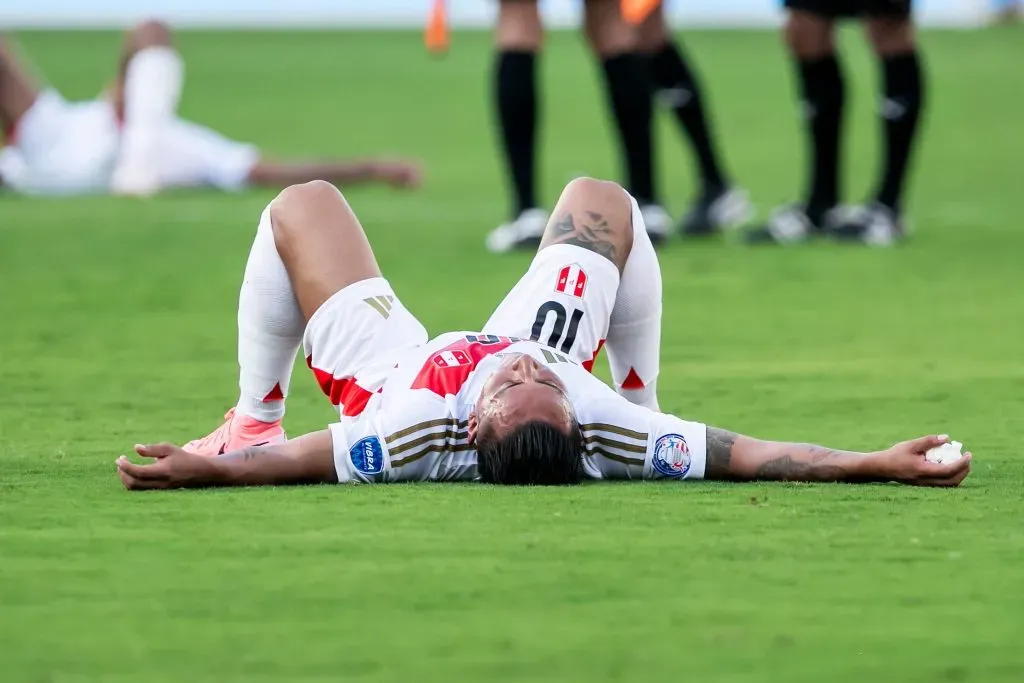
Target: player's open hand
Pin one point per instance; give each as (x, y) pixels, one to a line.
(905, 462)
(400, 174)
(173, 468)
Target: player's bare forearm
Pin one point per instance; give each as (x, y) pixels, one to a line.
(735, 457)
(306, 460)
(342, 173)
(740, 458)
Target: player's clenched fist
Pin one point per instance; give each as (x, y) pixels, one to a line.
(905, 462)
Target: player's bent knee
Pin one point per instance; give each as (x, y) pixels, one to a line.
(604, 197)
(809, 36)
(653, 34)
(292, 209)
(607, 32)
(890, 35)
(302, 195)
(151, 33)
(519, 26)
(593, 188)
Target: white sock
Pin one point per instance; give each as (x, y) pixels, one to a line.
(152, 89)
(270, 327)
(634, 333)
(152, 85)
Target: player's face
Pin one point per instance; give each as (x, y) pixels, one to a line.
(520, 391)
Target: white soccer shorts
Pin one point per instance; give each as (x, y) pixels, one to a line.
(352, 341)
(564, 300)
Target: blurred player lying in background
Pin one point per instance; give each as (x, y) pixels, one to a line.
(512, 404)
(130, 141)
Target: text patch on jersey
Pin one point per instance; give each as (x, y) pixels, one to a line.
(672, 456)
(572, 280)
(367, 456)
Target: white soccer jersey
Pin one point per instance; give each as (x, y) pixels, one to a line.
(414, 426)
(65, 147)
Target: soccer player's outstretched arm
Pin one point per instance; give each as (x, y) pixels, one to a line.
(739, 458)
(306, 460)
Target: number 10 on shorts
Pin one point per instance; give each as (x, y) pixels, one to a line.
(544, 312)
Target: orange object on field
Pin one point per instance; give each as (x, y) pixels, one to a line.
(635, 11)
(435, 36)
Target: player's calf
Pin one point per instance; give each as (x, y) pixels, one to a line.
(809, 36)
(308, 246)
(595, 215)
(890, 35)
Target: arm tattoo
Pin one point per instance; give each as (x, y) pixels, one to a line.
(719, 448)
(591, 231)
(813, 465)
(772, 461)
(243, 454)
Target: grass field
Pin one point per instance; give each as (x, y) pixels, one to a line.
(118, 326)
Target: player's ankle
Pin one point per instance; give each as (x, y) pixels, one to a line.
(253, 413)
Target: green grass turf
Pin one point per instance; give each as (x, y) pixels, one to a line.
(118, 326)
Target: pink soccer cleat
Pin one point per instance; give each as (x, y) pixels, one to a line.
(238, 431)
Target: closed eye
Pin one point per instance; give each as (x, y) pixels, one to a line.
(555, 387)
(505, 387)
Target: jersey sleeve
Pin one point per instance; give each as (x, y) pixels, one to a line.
(360, 450)
(627, 441)
(390, 443)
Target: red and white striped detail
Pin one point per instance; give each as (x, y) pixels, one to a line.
(572, 280)
(343, 392)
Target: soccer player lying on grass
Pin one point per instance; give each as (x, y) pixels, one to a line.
(513, 403)
(130, 141)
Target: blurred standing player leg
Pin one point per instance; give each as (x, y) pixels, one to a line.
(890, 30)
(615, 44)
(518, 38)
(810, 36)
(718, 204)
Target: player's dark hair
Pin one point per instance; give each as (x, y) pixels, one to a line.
(533, 454)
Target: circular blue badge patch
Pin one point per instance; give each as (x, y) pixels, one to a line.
(672, 456)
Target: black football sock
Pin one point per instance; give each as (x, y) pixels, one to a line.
(678, 86)
(821, 88)
(629, 94)
(516, 103)
(901, 110)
